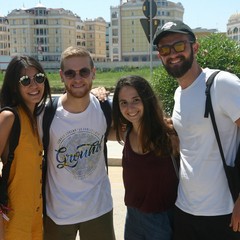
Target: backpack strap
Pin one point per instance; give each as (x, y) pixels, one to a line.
(13, 142)
(107, 110)
(48, 116)
(207, 92)
(209, 110)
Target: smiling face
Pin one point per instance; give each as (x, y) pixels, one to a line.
(78, 85)
(177, 64)
(32, 93)
(131, 105)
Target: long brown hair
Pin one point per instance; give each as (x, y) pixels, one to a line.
(153, 128)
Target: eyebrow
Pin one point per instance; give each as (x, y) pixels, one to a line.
(131, 98)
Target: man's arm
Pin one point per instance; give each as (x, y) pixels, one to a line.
(238, 122)
(235, 220)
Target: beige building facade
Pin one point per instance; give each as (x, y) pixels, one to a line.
(233, 27)
(96, 38)
(45, 32)
(129, 42)
(4, 37)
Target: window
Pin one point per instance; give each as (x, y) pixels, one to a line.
(235, 30)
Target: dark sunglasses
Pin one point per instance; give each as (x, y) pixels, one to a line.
(39, 78)
(84, 73)
(178, 47)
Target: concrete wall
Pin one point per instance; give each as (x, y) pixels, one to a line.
(53, 66)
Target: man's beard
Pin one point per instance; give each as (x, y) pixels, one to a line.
(79, 94)
(179, 71)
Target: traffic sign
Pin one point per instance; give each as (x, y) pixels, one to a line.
(146, 8)
(146, 26)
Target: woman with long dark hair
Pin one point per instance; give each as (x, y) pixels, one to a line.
(149, 177)
(26, 89)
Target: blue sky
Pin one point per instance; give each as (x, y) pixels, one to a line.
(204, 13)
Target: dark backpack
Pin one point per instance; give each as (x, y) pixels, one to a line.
(232, 172)
(48, 116)
(13, 142)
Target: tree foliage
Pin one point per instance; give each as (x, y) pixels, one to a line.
(216, 51)
(164, 86)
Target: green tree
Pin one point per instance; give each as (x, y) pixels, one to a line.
(216, 51)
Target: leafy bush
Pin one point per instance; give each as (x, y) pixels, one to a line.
(164, 86)
(218, 51)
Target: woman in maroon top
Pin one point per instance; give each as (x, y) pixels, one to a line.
(149, 176)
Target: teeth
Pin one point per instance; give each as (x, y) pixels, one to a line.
(132, 115)
(33, 93)
(175, 61)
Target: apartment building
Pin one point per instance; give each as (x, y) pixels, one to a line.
(96, 38)
(45, 32)
(129, 42)
(4, 37)
(233, 27)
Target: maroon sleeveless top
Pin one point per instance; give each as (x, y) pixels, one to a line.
(150, 182)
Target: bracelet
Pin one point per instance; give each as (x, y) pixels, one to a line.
(4, 216)
(4, 209)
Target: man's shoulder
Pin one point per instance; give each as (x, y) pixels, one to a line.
(222, 76)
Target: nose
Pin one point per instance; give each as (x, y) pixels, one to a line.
(78, 76)
(130, 105)
(33, 82)
(172, 50)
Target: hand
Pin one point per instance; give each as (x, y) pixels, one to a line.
(173, 137)
(101, 93)
(235, 220)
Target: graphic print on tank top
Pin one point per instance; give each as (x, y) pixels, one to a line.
(79, 152)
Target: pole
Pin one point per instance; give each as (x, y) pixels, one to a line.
(150, 37)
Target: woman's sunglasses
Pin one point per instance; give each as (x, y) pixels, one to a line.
(39, 78)
(84, 73)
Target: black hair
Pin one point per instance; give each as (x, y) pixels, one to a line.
(10, 91)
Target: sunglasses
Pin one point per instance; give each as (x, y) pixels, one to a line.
(178, 47)
(84, 73)
(39, 78)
